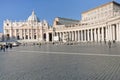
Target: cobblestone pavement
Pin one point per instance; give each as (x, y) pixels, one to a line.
(83, 61)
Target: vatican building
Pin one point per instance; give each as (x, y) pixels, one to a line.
(31, 30)
(99, 24)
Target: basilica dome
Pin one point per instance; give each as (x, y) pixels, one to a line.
(33, 18)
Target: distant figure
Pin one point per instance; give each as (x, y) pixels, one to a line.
(113, 41)
(39, 44)
(109, 44)
(10, 46)
(4, 48)
(33, 44)
(53, 43)
(23, 44)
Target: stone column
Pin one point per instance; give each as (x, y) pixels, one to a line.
(110, 32)
(39, 36)
(41, 33)
(81, 35)
(72, 35)
(28, 34)
(75, 35)
(98, 34)
(91, 35)
(113, 32)
(118, 32)
(88, 35)
(63, 36)
(95, 36)
(32, 34)
(84, 35)
(78, 36)
(47, 35)
(102, 33)
(106, 34)
(21, 34)
(10, 33)
(15, 34)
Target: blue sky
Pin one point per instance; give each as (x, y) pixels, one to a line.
(20, 10)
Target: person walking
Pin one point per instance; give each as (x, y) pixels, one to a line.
(10, 46)
(109, 44)
(39, 44)
(6, 46)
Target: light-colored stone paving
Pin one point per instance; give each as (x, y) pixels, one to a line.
(61, 62)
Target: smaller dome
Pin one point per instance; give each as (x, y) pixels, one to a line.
(33, 18)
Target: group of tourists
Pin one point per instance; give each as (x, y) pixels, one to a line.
(4, 47)
(110, 43)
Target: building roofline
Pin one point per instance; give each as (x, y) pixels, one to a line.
(67, 19)
(114, 2)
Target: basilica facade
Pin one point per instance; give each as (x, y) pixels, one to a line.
(30, 30)
(99, 24)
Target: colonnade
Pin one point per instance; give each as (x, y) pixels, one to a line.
(97, 34)
(87, 34)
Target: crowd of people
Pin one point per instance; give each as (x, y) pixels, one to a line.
(4, 47)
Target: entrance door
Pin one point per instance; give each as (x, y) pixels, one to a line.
(50, 36)
(44, 37)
